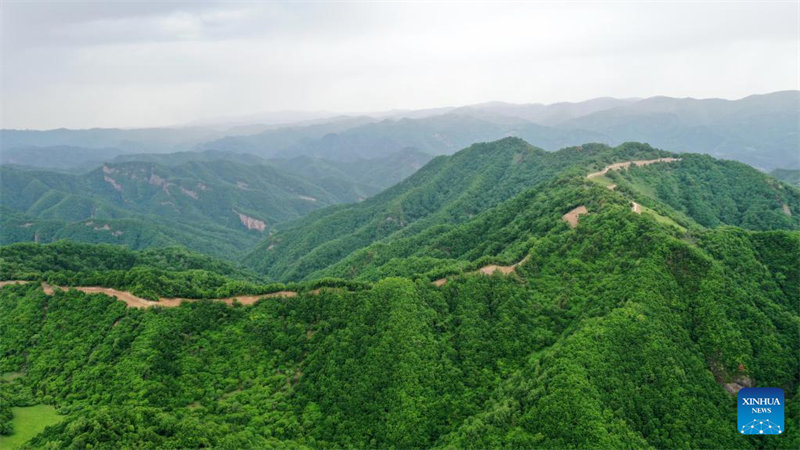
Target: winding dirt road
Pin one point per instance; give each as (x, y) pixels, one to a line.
(627, 164)
(133, 301)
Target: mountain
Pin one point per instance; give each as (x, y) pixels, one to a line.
(503, 296)
(218, 207)
(790, 176)
(179, 158)
(470, 188)
(550, 115)
(371, 175)
(760, 130)
(442, 134)
(58, 157)
(127, 140)
(214, 202)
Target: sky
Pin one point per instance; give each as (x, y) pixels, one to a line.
(137, 64)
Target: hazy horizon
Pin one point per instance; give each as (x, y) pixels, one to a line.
(133, 65)
(295, 117)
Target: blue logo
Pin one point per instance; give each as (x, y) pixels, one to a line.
(760, 411)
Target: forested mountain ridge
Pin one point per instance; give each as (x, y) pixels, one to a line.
(475, 189)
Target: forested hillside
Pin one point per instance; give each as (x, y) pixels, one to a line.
(502, 296)
(451, 209)
(214, 202)
(619, 332)
(217, 207)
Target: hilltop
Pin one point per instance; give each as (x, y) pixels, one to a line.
(458, 209)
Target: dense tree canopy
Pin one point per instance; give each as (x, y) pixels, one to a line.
(628, 330)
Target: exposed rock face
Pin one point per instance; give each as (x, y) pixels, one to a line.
(786, 210)
(305, 197)
(156, 180)
(250, 222)
(189, 192)
(112, 182)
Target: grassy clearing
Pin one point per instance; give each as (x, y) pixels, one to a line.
(662, 219)
(10, 376)
(602, 180)
(28, 422)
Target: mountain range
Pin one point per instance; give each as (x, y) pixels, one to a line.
(760, 130)
(504, 295)
(216, 203)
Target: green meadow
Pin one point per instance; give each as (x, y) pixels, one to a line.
(28, 422)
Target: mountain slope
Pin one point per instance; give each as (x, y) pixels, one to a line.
(230, 205)
(446, 190)
(443, 134)
(627, 327)
(760, 130)
(463, 208)
(618, 332)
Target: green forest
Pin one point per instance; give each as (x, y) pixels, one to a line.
(631, 329)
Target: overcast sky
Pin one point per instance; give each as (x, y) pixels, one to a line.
(103, 64)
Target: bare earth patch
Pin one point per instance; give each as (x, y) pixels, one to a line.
(505, 270)
(492, 268)
(635, 207)
(572, 217)
(47, 288)
(10, 282)
(786, 210)
(489, 270)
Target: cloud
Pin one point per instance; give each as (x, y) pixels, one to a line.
(135, 64)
